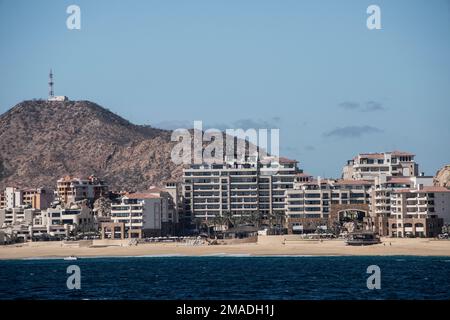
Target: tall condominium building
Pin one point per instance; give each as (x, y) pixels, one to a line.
(317, 203)
(368, 166)
(71, 189)
(419, 212)
(245, 188)
(39, 198)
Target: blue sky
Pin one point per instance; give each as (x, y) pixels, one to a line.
(310, 68)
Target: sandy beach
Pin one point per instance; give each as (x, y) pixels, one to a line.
(270, 245)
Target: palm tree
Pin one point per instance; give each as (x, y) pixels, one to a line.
(255, 219)
(198, 223)
(228, 219)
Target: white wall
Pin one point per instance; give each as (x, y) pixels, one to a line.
(10, 197)
(425, 181)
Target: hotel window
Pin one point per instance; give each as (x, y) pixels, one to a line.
(312, 208)
(312, 195)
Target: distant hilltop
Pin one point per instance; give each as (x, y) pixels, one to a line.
(41, 141)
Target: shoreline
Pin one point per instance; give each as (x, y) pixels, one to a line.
(265, 246)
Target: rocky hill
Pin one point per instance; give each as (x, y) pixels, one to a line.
(442, 177)
(41, 141)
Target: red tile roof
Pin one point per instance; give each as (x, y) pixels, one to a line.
(380, 155)
(142, 196)
(398, 180)
(155, 190)
(353, 182)
(372, 155)
(402, 153)
(435, 189)
(286, 160)
(303, 174)
(424, 189)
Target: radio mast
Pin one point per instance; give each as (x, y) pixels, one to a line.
(50, 85)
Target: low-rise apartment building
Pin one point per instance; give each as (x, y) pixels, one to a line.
(18, 215)
(29, 223)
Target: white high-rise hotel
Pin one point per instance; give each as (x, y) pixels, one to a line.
(246, 188)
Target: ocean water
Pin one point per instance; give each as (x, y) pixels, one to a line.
(215, 277)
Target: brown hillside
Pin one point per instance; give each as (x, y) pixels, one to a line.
(41, 141)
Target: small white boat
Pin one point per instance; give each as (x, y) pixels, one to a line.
(70, 258)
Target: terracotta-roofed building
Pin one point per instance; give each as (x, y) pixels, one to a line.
(71, 189)
(419, 211)
(369, 166)
(382, 190)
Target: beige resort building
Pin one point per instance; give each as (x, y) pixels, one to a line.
(419, 212)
